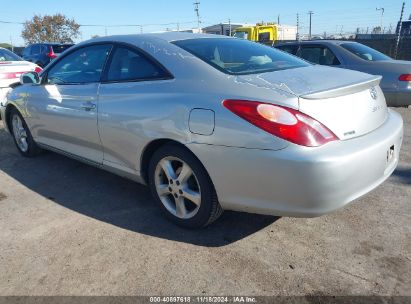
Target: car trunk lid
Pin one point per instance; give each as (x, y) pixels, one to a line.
(349, 103)
(10, 71)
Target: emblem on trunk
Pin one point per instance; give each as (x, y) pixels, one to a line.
(373, 93)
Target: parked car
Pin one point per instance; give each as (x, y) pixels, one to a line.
(396, 82)
(212, 123)
(43, 53)
(11, 67)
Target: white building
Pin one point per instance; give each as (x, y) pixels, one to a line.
(222, 28)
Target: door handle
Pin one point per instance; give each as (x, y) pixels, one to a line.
(88, 106)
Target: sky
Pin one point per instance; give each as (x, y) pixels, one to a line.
(332, 17)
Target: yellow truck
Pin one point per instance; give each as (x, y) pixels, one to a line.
(266, 33)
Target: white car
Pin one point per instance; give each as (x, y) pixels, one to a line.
(11, 68)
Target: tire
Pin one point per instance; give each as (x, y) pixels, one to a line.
(187, 199)
(22, 137)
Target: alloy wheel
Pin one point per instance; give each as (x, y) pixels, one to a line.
(178, 187)
(20, 133)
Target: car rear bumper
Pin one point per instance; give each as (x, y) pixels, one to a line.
(398, 98)
(299, 181)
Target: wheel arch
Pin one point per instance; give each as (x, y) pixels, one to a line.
(7, 112)
(153, 146)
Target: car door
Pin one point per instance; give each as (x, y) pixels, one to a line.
(34, 53)
(318, 54)
(26, 53)
(133, 86)
(63, 109)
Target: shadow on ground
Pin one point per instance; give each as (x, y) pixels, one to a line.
(114, 200)
(403, 175)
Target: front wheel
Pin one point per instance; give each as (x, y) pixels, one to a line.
(182, 187)
(22, 136)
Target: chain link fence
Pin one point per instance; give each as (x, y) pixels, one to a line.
(387, 46)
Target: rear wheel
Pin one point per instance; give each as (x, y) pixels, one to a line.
(22, 136)
(183, 188)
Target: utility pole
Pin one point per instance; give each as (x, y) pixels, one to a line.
(298, 28)
(278, 20)
(197, 10)
(229, 25)
(310, 13)
(382, 16)
(398, 32)
(11, 43)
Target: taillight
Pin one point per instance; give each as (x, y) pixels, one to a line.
(282, 122)
(405, 77)
(38, 69)
(51, 54)
(11, 75)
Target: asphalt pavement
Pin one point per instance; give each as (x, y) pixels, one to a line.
(70, 229)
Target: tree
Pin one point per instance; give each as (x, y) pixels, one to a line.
(56, 28)
(5, 45)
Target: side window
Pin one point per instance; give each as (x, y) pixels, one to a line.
(264, 37)
(291, 49)
(35, 49)
(44, 49)
(82, 66)
(318, 54)
(128, 65)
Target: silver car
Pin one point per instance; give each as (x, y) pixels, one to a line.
(211, 123)
(396, 81)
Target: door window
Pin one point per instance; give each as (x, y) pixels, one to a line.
(291, 49)
(264, 37)
(318, 54)
(82, 66)
(129, 65)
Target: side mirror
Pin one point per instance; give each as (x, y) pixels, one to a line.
(30, 78)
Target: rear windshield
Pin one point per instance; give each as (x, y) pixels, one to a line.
(239, 57)
(241, 35)
(6, 55)
(58, 49)
(364, 52)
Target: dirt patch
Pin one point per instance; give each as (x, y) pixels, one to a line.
(2, 196)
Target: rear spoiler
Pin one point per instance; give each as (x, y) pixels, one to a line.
(345, 90)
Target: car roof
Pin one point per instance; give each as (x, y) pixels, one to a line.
(167, 36)
(319, 41)
(49, 43)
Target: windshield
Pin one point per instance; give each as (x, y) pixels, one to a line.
(6, 55)
(364, 52)
(239, 57)
(241, 35)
